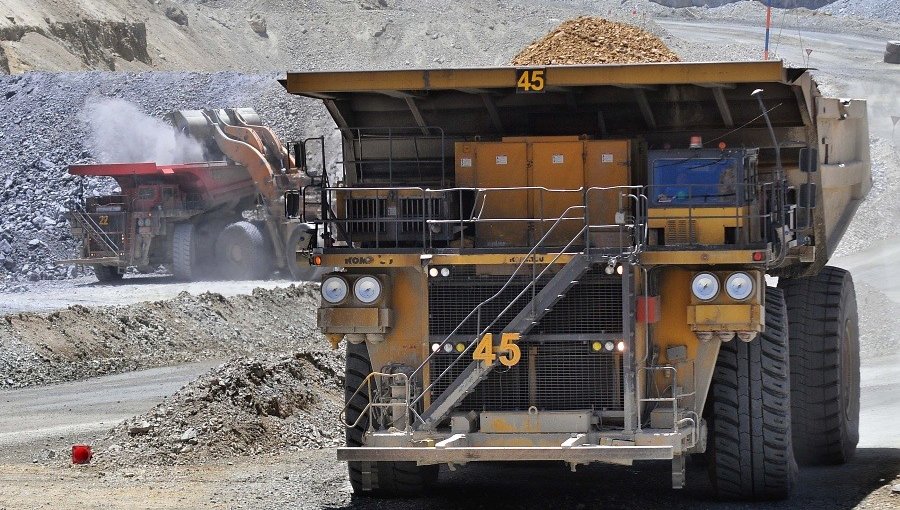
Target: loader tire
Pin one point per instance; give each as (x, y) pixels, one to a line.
(300, 271)
(387, 479)
(106, 274)
(244, 252)
(751, 456)
(824, 329)
(184, 252)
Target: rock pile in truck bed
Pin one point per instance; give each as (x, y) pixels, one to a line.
(249, 406)
(593, 40)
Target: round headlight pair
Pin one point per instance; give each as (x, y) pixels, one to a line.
(738, 286)
(366, 289)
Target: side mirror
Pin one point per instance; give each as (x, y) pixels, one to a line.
(809, 160)
(807, 196)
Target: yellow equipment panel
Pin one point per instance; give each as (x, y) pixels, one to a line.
(606, 164)
(501, 165)
(465, 164)
(564, 163)
(557, 166)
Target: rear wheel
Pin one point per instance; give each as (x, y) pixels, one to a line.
(243, 252)
(824, 366)
(375, 478)
(106, 274)
(184, 252)
(751, 456)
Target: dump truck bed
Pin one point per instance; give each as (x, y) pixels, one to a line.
(664, 104)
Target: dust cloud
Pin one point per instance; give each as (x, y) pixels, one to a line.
(121, 133)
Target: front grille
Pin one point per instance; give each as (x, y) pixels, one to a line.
(567, 376)
(594, 305)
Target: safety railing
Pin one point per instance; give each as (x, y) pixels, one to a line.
(96, 232)
(395, 155)
(681, 416)
(428, 219)
(381, 396)
(629, 223)
(756, 214)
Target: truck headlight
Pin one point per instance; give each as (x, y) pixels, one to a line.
(705, 286)
(334, 289)
(367, 289)
(739, 286)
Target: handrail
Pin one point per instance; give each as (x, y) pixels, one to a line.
(535, 278)
(84, 218)
(488, 300)
(369, 408)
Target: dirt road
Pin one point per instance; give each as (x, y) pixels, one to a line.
(37, 421)
(58, 415)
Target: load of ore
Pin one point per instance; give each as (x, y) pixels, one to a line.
(592, 40)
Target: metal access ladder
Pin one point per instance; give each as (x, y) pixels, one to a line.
(542, 302)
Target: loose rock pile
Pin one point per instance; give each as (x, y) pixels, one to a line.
(253, 406)
(592, 40)
(82, 342)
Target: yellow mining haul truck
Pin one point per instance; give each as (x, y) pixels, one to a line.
(569, 263)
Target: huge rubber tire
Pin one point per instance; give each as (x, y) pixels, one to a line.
(106, 274)
(824, 328)
(184, 252)
(300, 271)
(243, 252)
(750, 454)
(391, 479)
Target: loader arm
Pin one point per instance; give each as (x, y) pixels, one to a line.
(262, 173)
(270, 140)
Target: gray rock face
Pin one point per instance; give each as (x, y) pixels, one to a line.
(177, 15)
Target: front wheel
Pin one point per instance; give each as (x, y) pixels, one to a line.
(751, 455)
(381, 479)
(107, 274)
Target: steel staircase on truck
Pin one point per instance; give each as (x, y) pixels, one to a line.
(94, 231)
(477, 370)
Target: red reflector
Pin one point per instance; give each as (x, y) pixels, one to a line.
(81, 454)
(759, 256)
(647, 309)
(317, 260)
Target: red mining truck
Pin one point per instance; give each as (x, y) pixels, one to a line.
(232, 216)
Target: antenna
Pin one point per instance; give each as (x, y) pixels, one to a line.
(758, 95)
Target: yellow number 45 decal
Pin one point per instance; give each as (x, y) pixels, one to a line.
(509, 352)
(530, 80)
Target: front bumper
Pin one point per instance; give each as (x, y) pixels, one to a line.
(583, 454)
(577, 448)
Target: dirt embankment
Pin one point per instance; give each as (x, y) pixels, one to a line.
(80, 342)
